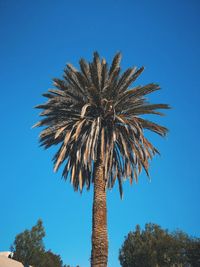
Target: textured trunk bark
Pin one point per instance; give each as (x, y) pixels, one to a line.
(99, 257)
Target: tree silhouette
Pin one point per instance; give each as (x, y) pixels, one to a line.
(95, 117)
(28, 248)
(157, 247)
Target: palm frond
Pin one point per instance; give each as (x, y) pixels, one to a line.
(146, 124)
(115, 64)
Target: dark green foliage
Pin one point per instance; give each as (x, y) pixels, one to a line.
(193, 252)
(49, 259)
(28, 245)
(94, 109)
(155, 247)
(29, 249)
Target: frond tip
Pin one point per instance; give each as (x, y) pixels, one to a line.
(94, 111)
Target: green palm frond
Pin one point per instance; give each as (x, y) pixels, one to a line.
(93, 111)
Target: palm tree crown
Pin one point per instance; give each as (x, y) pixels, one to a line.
(93, 110)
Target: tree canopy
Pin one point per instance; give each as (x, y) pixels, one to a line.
(155, 246)
(94, 110)
(28, 248)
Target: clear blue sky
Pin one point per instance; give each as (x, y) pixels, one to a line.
(37, 39)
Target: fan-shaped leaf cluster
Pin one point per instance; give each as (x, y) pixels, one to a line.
(93, 111)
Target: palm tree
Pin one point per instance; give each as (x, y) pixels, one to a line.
(95, 117)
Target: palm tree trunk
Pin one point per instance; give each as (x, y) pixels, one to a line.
(99, 257)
